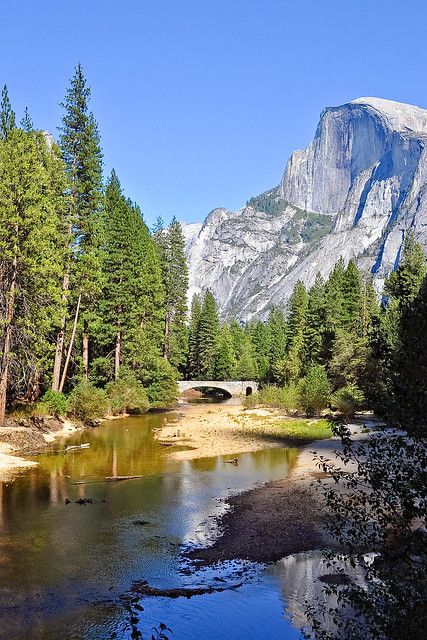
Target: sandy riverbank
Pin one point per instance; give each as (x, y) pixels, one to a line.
(280, 518)
(27, 435)
(220, 429)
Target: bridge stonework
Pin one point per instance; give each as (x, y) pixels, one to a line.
(233, 387)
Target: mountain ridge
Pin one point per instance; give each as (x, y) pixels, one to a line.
(353, 192)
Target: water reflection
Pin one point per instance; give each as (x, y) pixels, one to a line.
(58, 559)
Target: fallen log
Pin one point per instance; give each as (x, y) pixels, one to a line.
(120, 478)
(142, 588)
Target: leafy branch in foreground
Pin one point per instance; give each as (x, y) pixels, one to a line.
(377, 506)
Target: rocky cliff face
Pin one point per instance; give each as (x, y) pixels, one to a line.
(353, 192)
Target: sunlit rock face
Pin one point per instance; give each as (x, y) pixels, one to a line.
(352, 193)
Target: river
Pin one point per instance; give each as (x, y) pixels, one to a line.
(67, 570)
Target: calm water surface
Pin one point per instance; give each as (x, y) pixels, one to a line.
(65, 568)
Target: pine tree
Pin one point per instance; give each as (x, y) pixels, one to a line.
(225, 359)
(246, 367)
(410, 379)
(193, 359)
(131, 303)
(290, 367)
(171, 246)
(404, 283)
(26, 122)
(259, 335)
(7, 115)
(316, 323)
(277, 338)
(209, 329)
(334, 297)
(83, 158)
(32, 254)
(352, 301)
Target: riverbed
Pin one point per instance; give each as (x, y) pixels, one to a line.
(69, 570)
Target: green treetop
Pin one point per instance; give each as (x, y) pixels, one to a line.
(7, 115)
(209, 330)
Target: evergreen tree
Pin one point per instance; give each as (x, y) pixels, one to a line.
(32, 252)
(334, 298)
(225, 359)
(277, 339)
(246, 367)
(26, 122)
(193, 360)
(81, 150)
(352, 301)
(259, 335)
(171, 246)
(7, 115)
(316, 323)
(290, 368)
(410, 379)
(209, 329)
(131, 304)
(404, 283)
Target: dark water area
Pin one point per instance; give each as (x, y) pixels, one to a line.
(66, 570)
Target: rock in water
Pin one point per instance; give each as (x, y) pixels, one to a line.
(353, 192)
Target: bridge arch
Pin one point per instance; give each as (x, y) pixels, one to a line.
(232, 387)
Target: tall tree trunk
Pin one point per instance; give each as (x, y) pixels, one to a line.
(70, 346)
(117, 354)
(85, 350)
(60, 339)
(10, 312)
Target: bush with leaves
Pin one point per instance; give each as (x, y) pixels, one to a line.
(87, 402)
(159, 380)
(377, 504)
(314, 390)
(54, 402)
(285, 398)
(348, 400)
(127, 395)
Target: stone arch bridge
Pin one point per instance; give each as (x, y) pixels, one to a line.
(233, 387)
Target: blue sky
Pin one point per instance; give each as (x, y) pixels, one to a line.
(201, 102)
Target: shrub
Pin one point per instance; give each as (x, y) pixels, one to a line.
(314, 390)
(127, 395)
(87, 402)
(348, 400)
(159, 380)
(54, 402)
(285, 398)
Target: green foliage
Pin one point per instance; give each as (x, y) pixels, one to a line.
(315, 326)
(55, 403)
(33, 239)
(159, 380)
(127, 395)
(348, 400)
(131, 305)
(7, 115)
(193, 361)
(285, 398)
(81, 151)
(225, 360)
(314, 390)
(377, 503)
(87, 402)
(171, 247)
(404, 283)
(209, 329)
